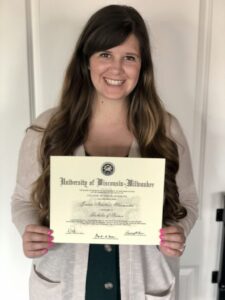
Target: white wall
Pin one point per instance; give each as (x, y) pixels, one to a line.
(214, 164)
(14, 118)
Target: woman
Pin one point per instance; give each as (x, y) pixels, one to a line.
(109, 107)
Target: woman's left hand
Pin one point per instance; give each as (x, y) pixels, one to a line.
(172, 241)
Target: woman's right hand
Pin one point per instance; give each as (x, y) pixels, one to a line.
(37, 240)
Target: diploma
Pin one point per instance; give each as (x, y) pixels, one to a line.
(106, 200)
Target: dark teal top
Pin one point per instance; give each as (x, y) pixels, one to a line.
(103, 279)
(103, 282)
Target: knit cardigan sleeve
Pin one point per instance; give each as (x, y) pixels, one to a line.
(184, 178)
(28, 170)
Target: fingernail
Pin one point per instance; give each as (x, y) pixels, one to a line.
(50, 238)
(161, 230)
(50, 232)
(50, 245)
(162, 242)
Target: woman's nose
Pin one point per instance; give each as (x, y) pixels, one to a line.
(117, 65)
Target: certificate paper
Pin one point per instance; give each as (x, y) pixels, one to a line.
(106, 200)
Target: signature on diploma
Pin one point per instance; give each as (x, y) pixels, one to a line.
(104, 236)
(134, 233)
(72, 230)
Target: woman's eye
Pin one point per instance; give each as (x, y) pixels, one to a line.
(130, 58)
(104, 54)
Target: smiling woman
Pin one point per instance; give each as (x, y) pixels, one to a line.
(115, 72)
(109, 107)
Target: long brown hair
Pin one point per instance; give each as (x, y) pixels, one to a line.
(68, 127)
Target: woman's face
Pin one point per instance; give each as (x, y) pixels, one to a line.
(115, 72)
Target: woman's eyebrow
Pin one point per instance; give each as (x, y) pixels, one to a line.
(126, 53)
(132, 53)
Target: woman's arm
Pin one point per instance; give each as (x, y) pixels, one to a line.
(185, 179)
(23, 212)
(36, 238)
(173, 237)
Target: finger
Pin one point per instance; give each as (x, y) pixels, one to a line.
(172, 236)
(37, 237)
(37, 233)
(33, 246)
(39, 253)
(173, 245)
(38, 229)
(172, 229)
(178, 238)
(170, 252)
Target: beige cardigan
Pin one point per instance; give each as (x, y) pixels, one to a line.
(145, 273)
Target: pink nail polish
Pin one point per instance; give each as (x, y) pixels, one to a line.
(50, 238)
(50, 245)
(50, 232)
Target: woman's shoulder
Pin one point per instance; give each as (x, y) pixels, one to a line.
(43, 118)
(175, 132)
(173, 128)
(34, 132)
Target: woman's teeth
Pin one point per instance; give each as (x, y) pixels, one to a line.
(114, 82)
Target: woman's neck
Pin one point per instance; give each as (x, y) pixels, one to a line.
(108, 134)
(109, 111)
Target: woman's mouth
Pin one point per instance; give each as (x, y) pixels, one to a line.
(114, 82)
